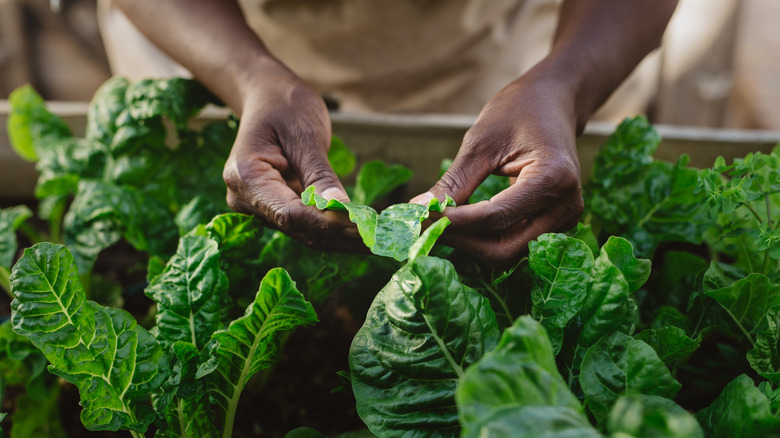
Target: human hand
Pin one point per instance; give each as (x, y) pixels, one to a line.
(527, 131)
(281, 148)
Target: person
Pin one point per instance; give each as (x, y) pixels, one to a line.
(527, 130)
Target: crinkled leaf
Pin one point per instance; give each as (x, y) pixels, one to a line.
(390, 233)
(191, 293)
(608, 307)
(10, 220)
(31, 126)
(422, 330)
(748, 301)
(620, 365)
(741, 410)
(104, 110)
(253, 342)
(178, 99)
(535, 422)
(765, 355)
(672, 345)
(563, 276)
(193, 415)
(114, 363)
(520, 373)
(627, 151)
(376, 179)
(647, 416)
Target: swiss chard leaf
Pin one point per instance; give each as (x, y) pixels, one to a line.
(10, 220)
(672, 345)
(114, 363)
(619, 365)
(423, 329)
(390, 233)
(748, 301)
(191, 293)
(31, 125)
(253, 342)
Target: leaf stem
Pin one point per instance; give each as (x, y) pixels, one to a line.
(136, 434)
(30, 233)
(767, 260)
(768, 211)
(5, 280)
(500, 300)
(752, 210)
(742, 245)
(457, 368)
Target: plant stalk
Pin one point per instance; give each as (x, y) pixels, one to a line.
(5, 280)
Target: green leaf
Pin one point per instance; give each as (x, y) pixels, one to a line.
(620, 365)
(340, 157)
(10, 220)
(765, 355)
(252, 343)
(114, 363)
(178, 99)
(35, 417)
(608, 307)
(423, 245)
(422, 330)
(627, 151)
(536, 422)
(31, 125)
(672, 345)
(516, 378)
(104, 110)
(647, 416)
(376, 179)
(741, 410)
(191, 293)
(390, 233)
(748, 301)
(562, 267)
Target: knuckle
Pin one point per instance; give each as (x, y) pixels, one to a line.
(500, 218)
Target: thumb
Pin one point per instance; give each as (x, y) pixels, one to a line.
(459, 182)
(313, 168)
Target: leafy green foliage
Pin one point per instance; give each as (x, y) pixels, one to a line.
(376, 179)
(647, 202)
(390, 233)
(10, 220)
(652, 416)
(422, 331)
(741, 410)
(114, 363)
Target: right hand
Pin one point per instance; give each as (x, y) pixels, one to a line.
(281, 148)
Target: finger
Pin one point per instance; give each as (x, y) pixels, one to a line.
(257, 187)
(537, 189)
(502, 250)
(307, 149)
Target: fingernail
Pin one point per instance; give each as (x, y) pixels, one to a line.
(334, 193)
(423, 199)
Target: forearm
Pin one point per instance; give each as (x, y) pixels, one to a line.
(598, 43)
(211, 39)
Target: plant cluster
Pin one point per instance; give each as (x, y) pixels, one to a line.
(656, 316)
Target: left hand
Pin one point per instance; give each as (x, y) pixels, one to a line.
(527, 131)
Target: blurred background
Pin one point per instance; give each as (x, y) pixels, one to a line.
(719, 65)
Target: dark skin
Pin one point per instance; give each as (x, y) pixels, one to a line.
(527, 131)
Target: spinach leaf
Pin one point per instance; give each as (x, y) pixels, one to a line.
(422, 331)
(340, 157)
(619, 365)
(741, 410)
(563, 268)
(376, 179)
(646, 416)
(516, 390)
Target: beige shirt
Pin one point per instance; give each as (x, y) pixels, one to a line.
(446, 56)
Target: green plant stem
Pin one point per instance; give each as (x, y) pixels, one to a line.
(500, 300)
(5, 280)
(755, 213)
(136, 434)
(30, 233)
(767, 260)
(742, 245)
(768, 211)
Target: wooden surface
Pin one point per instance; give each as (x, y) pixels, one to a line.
(419, 142)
